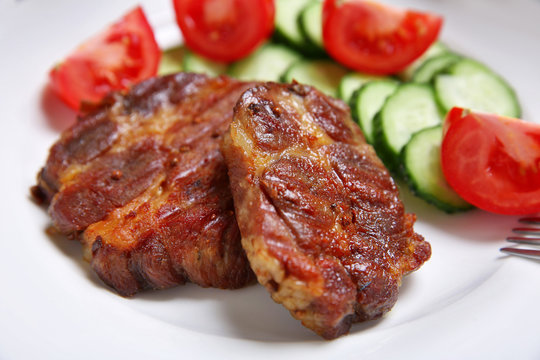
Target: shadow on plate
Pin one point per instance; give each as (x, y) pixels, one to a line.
(259, 318)
(72, 249)
(248, 313)
(473, 225)
(59, 116)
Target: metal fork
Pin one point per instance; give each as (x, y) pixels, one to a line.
(529, 235)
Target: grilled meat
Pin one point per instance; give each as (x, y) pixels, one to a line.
(141, 181)
(321, 220)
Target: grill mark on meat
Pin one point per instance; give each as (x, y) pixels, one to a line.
(320, 216)
(94, 193)
(296, 199)
(152, 95)
(275, 129)
(328, 115)
(91, 137)
(152, 200)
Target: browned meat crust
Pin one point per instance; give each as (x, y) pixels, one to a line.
(142, 181)
(320, 216)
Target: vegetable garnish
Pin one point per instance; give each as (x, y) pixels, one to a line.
(375, 38)
(123, 54)
(492, 161)
(224, 30)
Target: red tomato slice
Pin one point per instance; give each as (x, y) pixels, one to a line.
(224, 30)
(374, 38)
(123, 54)
(492, 161)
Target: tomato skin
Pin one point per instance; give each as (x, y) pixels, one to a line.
(492, 161)
(224, 30)
(124, 53)
(375, 38)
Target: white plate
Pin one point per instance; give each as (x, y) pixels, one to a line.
(468, 301)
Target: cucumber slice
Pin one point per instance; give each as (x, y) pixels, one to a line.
(435, 49)
(268, 63)
(324, 75)
(470, 84)
(421, 159)
(171, 60)
(195, 63)
(367, 101)
(431, 67)
(352, 82)
(287, 23)
(311, 23)
(412, 107)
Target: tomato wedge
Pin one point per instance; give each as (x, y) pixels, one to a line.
(224, 30)
(492, 161)
(121, 55)
(375, 38)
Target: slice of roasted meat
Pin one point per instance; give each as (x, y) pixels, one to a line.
(321, 219)
(141, 181)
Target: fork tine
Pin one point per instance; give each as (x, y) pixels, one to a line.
(528, 253)
(523, 240)
(529, 237)
(527, 231)
(530, 220)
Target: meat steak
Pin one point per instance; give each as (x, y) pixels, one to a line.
(321, 220)
(142, 183)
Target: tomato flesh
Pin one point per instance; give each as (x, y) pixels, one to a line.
(492, 161)
(224, 30)
(121, 55)
(375, 38)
